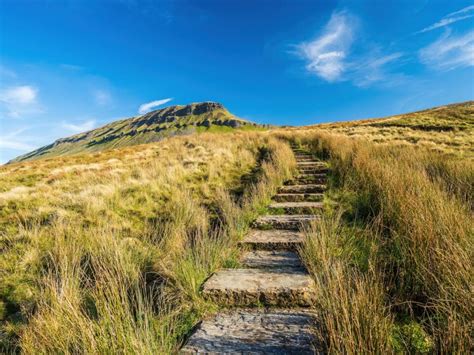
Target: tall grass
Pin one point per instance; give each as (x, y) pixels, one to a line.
(351, 300)
(422, 204)
(107, 253)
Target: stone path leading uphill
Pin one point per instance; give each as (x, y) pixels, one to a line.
(272, 276)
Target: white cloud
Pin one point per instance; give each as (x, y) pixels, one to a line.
(102, 97)
(8, 143)
(449, 51)
(22, 95)
(14, 141)
(326, 55)
(18, 99)
(81, 127)
(144, 108)
(453, 17)
(373, 68)
(331, 57)
(463, 10)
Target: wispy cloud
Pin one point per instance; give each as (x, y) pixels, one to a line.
(326, 54)
(14, 141)
(451, 18)
(18, 99)
(449, 51)
(373, 68)
(23, 95)
(331, 55)
(146, 107)
(102, 97)
(79, 127)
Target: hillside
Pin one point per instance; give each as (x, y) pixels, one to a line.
(90, 241)
(151, 127)
(448, 128)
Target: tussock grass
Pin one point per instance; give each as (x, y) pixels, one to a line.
(445, 129)
(106, 253)
(421, 201)
(351, 299)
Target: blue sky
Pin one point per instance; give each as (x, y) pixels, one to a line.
(69, 66)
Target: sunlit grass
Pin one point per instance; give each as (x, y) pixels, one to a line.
(107, 252)
(416, 207)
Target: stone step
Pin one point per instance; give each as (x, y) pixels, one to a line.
(270, 287)
(313, 170)
(272, 239)
(290, 222)
(307, 188)
(308, 179)
(296, 207)
(268, 259)
(293, 197)
(306, 159)
(256, 331)
(303, 175)
(313, 163)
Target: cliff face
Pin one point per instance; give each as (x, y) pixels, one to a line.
(150, 127)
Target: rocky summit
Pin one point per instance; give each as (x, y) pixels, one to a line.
(147, 128)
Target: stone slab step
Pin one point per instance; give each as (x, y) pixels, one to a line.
(308, 179)
(306, 159)
(272, 239)
(296, 207)
(271, 287)
(305, 188)
(294, 197)
(303, 175)
(312, 163)
(256, 331)
(291, 222)
(313, 170)
(268, 259)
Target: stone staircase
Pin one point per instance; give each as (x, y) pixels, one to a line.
(268, 298)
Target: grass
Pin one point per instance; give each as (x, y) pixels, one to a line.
(107, 252)
(147, 128)
(446, 129)
(415, 206)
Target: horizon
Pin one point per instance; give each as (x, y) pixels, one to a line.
(75, 66)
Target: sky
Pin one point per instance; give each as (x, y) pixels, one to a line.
(68, 66)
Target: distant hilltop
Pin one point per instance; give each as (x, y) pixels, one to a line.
(150, 127)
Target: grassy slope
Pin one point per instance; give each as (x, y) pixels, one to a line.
(80, 232)
(90, 241)
(446, 128)
(394, 265)
(151, 127)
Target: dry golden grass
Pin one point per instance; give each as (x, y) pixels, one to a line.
(106, 252)
(417, 205)
(446, 129)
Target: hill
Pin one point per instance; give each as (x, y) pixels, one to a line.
(151, 127)
(448, 128)
(90, 241)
